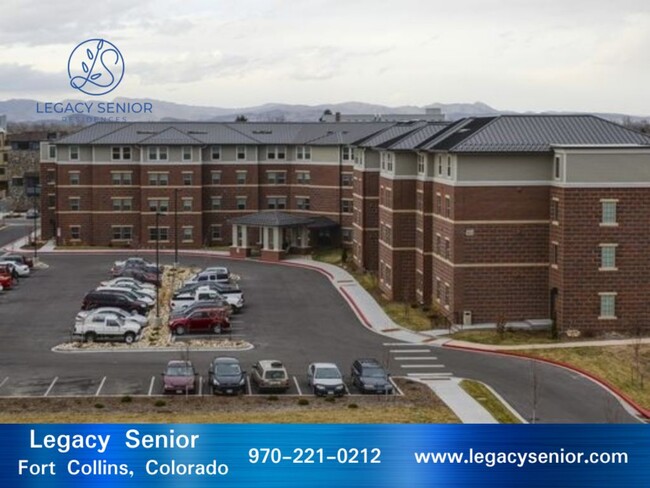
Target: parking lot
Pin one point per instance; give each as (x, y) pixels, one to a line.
(291, 314)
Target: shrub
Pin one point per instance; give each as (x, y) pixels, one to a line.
(160, 403)
(330, 399)
(353, 405)
(99, 405)
(272, 398)
(303, 401)
(126, 399)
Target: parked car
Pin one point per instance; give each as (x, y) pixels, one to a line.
(136, 262)
(213, 275)
(209, 291)
(201, 305)
(21, 269)
(110, 327)
(141, 320)
(137, 274)
(179, 377)
(270, 375)
(369, 376)
(95, 299)
(204, 320)
(17, 258)
(226, 376)
(132, 282)
(32, 213)
(132, 294)
(325, 379)
(6, 280)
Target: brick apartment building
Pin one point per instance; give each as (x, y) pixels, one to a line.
(488, 218)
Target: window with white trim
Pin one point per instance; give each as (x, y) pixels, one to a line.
(158, 234)
(557, 168)
(302, 203)
(276, 203)
(241, 153)
(303, 177)
(608, 257)
(51, 151)
(74, 177)
(346, 206)
(448, 166)
(157, 153)
(346, 179)
(75, 203)
(608, 216)
(188, 178)
(74, 153)
(122, 232)
(157, 178)
(276, 177)
(421, 163)
(187, 204)
(215, 203)
(347, 153)
(159, 205)
(215, 232)
(188, 234)
(447, 206)
(303, 153)
(241, 177)
(555, 210)
(122, 178)
(607, 305)
(124, 204)
(121, 153)
(241, 203)
(187, 153)
(215, 177)
(75, 232)
(215, 153)
(555, 253)
(276, 152)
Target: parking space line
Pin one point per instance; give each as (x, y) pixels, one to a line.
(200, 385)
(397, 388)
(248, 386)
(347, 390)
(295, 380)
(422, 366)
(404, 344)
(4, 381)
(153, 380)
(411, 358)
(101, 385)
(51, 386)
(409, 351)
(429, 375)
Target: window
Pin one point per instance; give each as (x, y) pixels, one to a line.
(440, 165)
(241, 177)
(158, 233)
(52, 151)
(346, 179)
(75, 203)
(555, 210)
(303, 153)
(302, 203)
(187, 153)
(438, 289)
(215, 177)
(346, 235)
(421, 163)
(215, 153)
(555, 253)
(303, 177)
(346, 206)
(449, 166)
(557, 167)
(17, 181)
(276, 177)
(447, 248)
(276, 152)
(157, 153)
(188, 178)
(159, 205)
(386, 234)
(609, 212)
(348, 153)
(438, 244)
(241, 153)
(448, 206)
(121, 178)
(50, 177)
(439, 203)
(122, 204)
(121, 153)
(158, 179)
(386, 160)
(215, 203)
(122, 233)
(215, 232)
(241, 203)
(187, 204)
(607, 305)
(447, 295)
(276, 203)
(75, 232)
(74, 177)
(419, 201)
(74, 153)
(608, 256)
(51, 200)
(188, 234)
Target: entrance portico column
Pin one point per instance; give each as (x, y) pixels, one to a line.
(265, 238)
(244, 236)
(235, 240)
(304, 237)
(276, 239)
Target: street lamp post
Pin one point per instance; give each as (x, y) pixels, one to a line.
(35, 232)
(175, 227)
(157, 266)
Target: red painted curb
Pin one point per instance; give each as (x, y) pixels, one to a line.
(356, 308)
(604, 383)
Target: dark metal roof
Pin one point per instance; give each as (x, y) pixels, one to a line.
(391, 134)
(271, 219)
(420, 136)
(534, 133)
(322, 222)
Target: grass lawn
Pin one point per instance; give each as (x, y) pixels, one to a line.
(614, 364)
(509, 338)
(491, 403)
(401, 313)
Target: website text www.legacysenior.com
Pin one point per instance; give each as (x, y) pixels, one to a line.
(520, 459)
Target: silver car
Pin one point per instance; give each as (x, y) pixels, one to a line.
(106, 311)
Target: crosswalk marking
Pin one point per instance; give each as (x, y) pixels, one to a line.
(409, 351)
(413, 366)
(404, 344)
(428, 375)
(415, 358)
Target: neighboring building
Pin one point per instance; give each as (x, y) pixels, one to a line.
(430, 115)
(4, 157)
(509, 218)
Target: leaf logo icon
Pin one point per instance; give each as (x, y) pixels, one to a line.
(95, 67)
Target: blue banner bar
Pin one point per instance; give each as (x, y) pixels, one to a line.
(285, 456)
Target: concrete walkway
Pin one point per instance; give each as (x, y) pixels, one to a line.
(468, 410)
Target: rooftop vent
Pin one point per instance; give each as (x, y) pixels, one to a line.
(263, 131)
(146, 132)
(196, 132)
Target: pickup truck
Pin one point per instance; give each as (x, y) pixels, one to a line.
(184, 298)
(204, 320)
(110, 327)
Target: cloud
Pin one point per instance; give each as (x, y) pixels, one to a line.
(16, 78)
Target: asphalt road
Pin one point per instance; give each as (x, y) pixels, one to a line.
(292, 314)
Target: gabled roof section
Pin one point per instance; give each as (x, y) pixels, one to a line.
(340, 133)
(420, 136)
(391, 134)
(535, 133)
(171, 135)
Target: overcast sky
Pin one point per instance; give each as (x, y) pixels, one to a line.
(583, 55)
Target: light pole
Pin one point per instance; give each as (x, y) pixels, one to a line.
(157, 266)
(35, 235)
(175, 227)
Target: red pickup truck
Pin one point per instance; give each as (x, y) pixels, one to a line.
(6, 280)
(202, 320)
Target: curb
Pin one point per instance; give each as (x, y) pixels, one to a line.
(644, 412)
(57, 349)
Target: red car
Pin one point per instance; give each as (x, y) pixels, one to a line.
(210, 320)
(6, 280)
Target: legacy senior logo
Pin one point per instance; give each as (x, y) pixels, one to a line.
(95, 67)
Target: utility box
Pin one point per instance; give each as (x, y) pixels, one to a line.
(467, 317)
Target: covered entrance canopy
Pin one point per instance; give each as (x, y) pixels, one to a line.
(276, 231)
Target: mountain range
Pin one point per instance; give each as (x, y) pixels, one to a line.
(24, 110)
